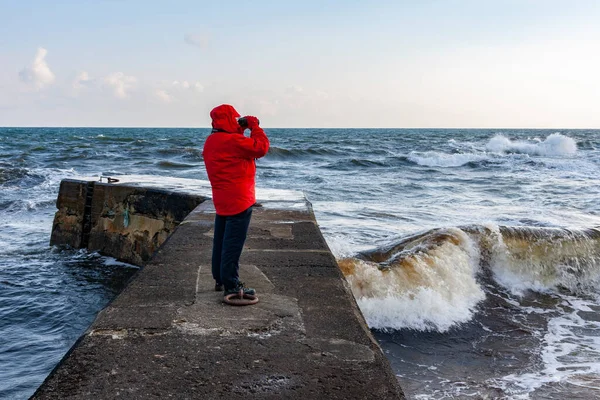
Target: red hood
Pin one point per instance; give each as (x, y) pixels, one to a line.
(224, 118)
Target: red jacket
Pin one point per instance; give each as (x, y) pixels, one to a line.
(229, 159)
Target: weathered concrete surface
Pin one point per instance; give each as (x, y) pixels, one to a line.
(168, 335)
(126, 222)
(68, 220)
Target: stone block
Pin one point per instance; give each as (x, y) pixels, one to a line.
(67, 228)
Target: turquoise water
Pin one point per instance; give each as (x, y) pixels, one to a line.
(369, 188)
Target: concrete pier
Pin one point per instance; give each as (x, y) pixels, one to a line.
(168, 334)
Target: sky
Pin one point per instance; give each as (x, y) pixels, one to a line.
(361, 64)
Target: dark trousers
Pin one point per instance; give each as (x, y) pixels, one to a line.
(228, 242)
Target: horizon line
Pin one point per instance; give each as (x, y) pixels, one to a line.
(314, 127)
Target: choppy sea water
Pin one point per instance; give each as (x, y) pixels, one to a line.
(426, 224)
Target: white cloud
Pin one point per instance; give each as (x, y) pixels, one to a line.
(185, 85)
(163, 96)
(81, 81)
(182, 84)
(120, 83)
(200, 41)
(38, 73)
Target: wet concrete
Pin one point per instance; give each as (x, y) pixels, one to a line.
(168, 334)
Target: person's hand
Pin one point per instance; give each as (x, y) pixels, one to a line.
(252, 122)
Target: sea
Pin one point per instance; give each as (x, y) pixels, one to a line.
(474, 254)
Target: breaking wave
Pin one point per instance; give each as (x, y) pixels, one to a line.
(554, 145)
(497, 147)
(431, 281)
(430, 284)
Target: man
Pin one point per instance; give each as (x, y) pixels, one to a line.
(229, 158)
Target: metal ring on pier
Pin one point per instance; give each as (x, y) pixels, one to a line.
(109, 179)
(240, 299)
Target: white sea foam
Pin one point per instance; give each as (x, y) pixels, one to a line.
(424, 309)
(571, 344)
(554, 145)
(340, 246)
(425, 290)
(113, 262)
(40, 194)
(569, 354)
(437, 159)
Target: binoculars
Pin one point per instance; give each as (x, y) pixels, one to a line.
(243, 122)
